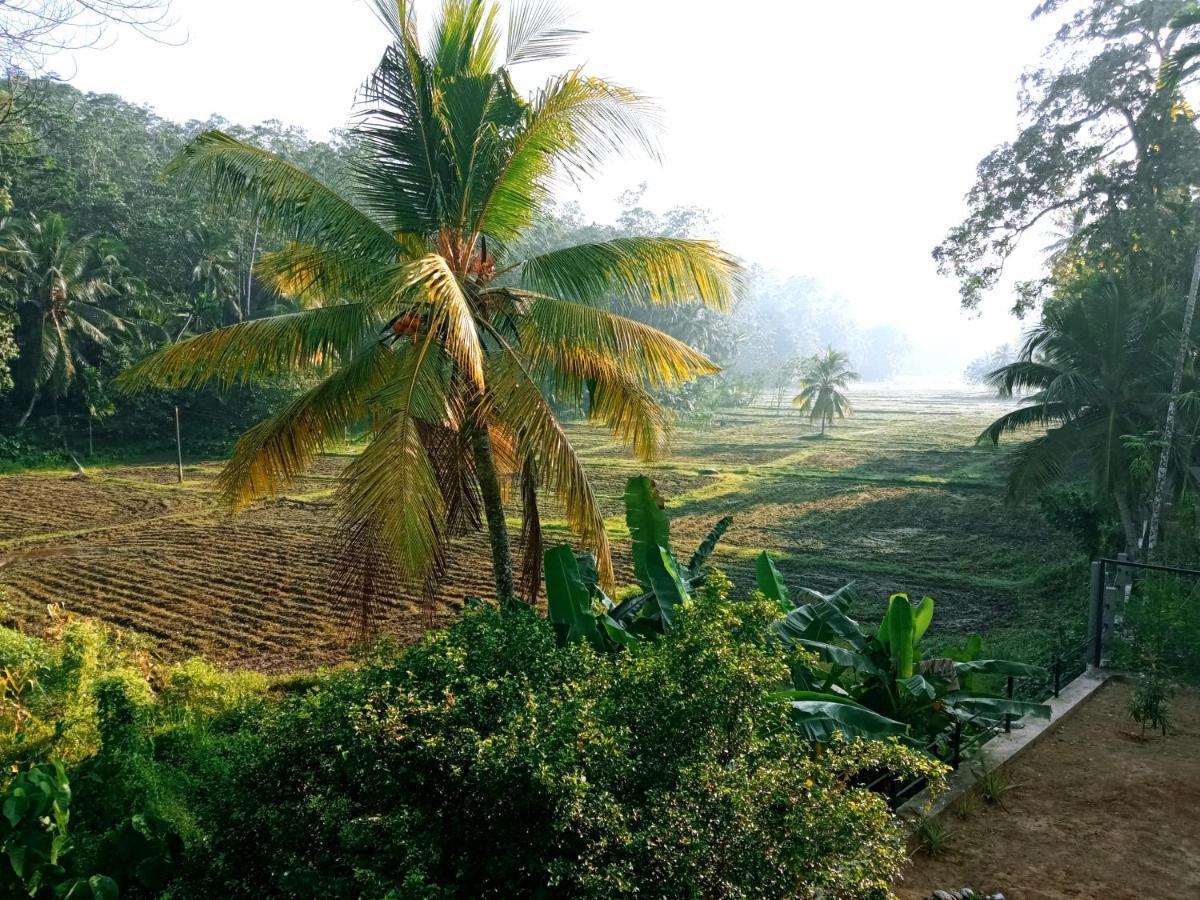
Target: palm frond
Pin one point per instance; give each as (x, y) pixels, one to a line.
(518, 404)
(569, 335)
(390, 493)
(649, 271)
(262, 347)
(290, 200)
(572, 124)
(465, 38)
(1034, 415)
(537, 31)
(271, 454)
(397, 17)
(404, 177)
(315, 276)
(452, 312)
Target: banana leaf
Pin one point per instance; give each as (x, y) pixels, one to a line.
(704, 551)
(995, 707)
(841, 656)
(770, 582)
(649, 527)
(999, 667)
(900, 631)
(568, 603)
(818, 717)
(667, 584)
(818, 622)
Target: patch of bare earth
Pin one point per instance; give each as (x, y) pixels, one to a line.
(1097, 814)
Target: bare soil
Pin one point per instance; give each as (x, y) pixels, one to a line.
(897, 498)
(1097, 814)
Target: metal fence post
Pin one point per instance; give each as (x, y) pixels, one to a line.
(1007, 716)
(1096, 613)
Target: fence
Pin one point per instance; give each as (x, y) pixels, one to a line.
(1111, 586)
(1112, 582)
(963, 739)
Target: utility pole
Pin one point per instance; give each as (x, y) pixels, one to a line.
(178, 446)
(1160, 480)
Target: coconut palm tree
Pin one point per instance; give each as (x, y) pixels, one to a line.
(425, 319)
(822, 379)
(1092, 371)
(60, 285)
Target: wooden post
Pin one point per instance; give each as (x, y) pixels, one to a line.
(178, 445)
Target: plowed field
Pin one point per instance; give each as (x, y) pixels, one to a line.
(897, 498)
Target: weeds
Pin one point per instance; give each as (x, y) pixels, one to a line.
(994, 784)
(966, 805)
(1150, 704)
(933, 837)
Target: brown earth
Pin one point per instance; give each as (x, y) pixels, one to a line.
(898, 498)
(1097, 814)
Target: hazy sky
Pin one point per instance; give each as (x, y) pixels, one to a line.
(829, 139)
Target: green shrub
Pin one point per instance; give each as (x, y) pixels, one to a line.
(488, 762)
(1162, 623)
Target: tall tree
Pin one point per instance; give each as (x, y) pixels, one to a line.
(1100, 149)
(1091, 372)
(822, 379)
(61, 287)
(425, 324)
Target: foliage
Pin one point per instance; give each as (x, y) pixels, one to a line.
(1074, 509)
(96, 161)
(577, 605)
(822, 380)
(994, 785)
(933, 837)
(876, 683)
(35, 840)
(422, 320)
(489, 760)
(1161, 622)
(981, 367)
(1150, 702)
(1101, 150)
(1090, 370)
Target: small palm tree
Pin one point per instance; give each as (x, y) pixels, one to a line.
(822, 379)
(1091, 371)
(60, 286)
(427, 321)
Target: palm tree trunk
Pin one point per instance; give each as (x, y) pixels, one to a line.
(1127, 524)
(1160, 480)
(493, 509)
(28, 410)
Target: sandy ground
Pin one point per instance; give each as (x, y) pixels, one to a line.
(1097, 814)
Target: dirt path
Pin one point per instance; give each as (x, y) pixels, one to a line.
(1097, 815)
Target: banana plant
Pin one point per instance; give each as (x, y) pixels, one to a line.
(580, 610)
(883, 671)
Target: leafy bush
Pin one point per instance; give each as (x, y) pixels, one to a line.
(1162, 623)
(874, 682)
(488, 761)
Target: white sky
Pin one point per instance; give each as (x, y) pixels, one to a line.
(829, 139)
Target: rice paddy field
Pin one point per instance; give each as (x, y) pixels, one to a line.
(898, 498)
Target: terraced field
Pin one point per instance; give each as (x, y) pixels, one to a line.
(898, 498)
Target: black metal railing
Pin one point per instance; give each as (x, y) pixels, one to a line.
(1111, 581)
(962, 740)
